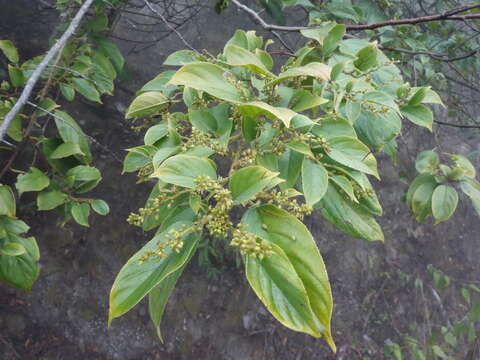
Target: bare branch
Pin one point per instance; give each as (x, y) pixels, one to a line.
(170, 26)
(27, 90)
(440, 57)
(457, 125)
(448, 15)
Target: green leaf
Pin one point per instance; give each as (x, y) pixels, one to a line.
(378, 130)
(290, 166)
(159, 83)
(21, 271)
(343, 10)
(330, 128)
(147, 104)
(80, 213)
(300, 147)
(265, 58)
(353, 110)
(100, 207)
(97, 23)
(333, 39)
(255, 108)
(366, 57)
(349, 217)
(10, 225)
(16, 76)
(139, 157)
(471, 188)
(104, 66)
(195, 202)
(278, 286)
(419, 180)
(84, 173)
(304, 100)
(427, 162)
(345, 185)
(297, 244)
(15, 128)
(34, 180)
(314, 69)
(419, 96)
(87, 89)
(136, 279)
(431, 97)
(422, 201)
(444, 202)
(47, 104)
(274, 9)
(249, 181)
(381, 99)
(182, 170)
(249, 128)
(181, 57)
(12, 249)
(238, 56)
(463, 163)
(85, 177)
(419, 115)
(67, 91)
(7, 201)
(209, 78)
(48, 200)
(158, 296)
(353, 153)
(437, 350)
(314, 181)
(9, 50)
(110, 50)
(320, 33)
(71, 132)
(155, 133)
(65, 150)
(203, 120)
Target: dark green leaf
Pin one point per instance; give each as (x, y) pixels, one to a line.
(182, 170)
(444, 202)
(249, 181)
(48, 200)
(80, 213)
(7, 201)
(34, 180)
(87, 89)
(349, 217)
(136, 279)
(100, 207)
(314, 181)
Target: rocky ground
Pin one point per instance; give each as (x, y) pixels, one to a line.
(219, 317)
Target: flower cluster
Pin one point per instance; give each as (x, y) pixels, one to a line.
(250, 244)
(174, 241)
(153, 206)
(282, 199)
(218, 219)
(199, 138)
(362, 193)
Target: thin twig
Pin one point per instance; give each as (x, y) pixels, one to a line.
(448, 15)
(27, 90)
(170, 26)
(440, 57)
(457, 125)
(80, 132)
